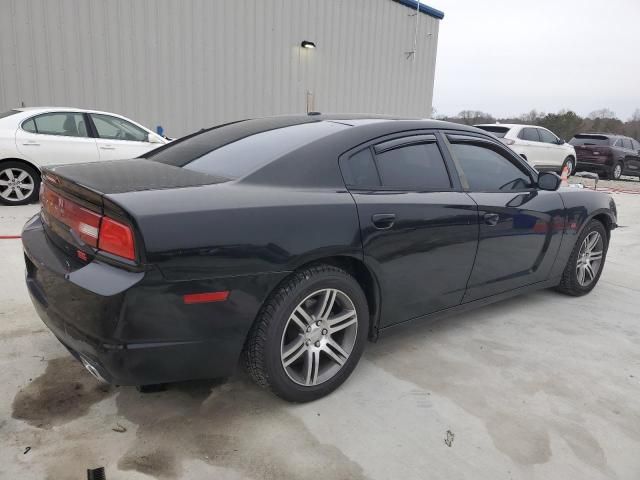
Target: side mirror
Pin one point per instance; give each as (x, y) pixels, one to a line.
(153, 138)
(549, 181)
(561, 141)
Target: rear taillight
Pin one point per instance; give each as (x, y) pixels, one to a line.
(116, 238)
(96, 230)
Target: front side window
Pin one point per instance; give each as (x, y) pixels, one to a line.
(627, 143)
(114, 128)
(547, 137)
(618, 143)
(635, 145)
(58, 123)
(488, 170)
(529, 134)
(414, 167)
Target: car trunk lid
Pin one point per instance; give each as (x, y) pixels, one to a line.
(80, 218)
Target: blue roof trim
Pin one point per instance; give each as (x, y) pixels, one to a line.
(423, 8)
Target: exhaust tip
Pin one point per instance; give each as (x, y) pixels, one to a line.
(93, 371)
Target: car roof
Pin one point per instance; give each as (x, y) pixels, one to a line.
(61, 109)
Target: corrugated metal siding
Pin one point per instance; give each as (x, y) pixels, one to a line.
(194, 63)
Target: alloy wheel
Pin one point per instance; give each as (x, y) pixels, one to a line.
(319, 337)
(570, 166)
(589, 258)
(15, 184)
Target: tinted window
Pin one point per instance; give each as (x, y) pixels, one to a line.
(413, 167)
(8, 114)
(547, 137)
(626, 143)
(487, 170)
(618, 143)
(246, 154)
(114, 128)
(636, 145)
(30, 126)
(583, 139)
(499, 132)
(360, 170)
(59, 123)
(530, 134)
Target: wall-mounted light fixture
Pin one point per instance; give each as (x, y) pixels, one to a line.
(307, 44)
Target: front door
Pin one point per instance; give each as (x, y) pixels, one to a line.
(520, 226)
(419, 230)
(56, 137)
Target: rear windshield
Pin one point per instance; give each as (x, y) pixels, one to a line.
(8, 114)
(499, 132)
(238, 157)
(590, 140)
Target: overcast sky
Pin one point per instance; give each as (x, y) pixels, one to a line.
(507, 57)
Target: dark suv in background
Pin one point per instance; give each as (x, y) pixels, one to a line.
(607, 154)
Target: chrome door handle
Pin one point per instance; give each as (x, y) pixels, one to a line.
(107, 148)
(491, 219)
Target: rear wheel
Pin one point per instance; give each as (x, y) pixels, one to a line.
(19, 183)
(309, 335)
(584, 267)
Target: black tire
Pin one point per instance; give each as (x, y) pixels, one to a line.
(569, 284)
(613, 173)
(9, 196)
(566, 162)
(263, 348)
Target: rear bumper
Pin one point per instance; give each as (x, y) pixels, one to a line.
(598, 165)
(133, 328)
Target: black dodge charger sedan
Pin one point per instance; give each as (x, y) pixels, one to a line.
(289, 241)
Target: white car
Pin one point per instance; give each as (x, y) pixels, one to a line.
(540, 147)
(34, 137)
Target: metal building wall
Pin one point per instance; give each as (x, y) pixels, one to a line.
(195, 63)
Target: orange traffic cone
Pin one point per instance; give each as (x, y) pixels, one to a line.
(565, 176)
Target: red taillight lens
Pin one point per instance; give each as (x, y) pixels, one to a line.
(116, 238)
(94, 229)
(82, 221)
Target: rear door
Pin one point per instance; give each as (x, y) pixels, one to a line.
(419, 230)
(520, 226)
(119, 139)
(56, 137)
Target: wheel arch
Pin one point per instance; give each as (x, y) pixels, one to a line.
(360, 272)
(21, 160)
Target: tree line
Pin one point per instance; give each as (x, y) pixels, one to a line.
(565, 123)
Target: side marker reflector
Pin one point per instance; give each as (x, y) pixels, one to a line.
(207, 297)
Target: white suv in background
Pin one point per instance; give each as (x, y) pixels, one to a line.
(35, 137)
(540, 147)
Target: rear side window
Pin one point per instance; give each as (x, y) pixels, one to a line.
(627, 143)
(497, 131)
(488, 170)
(242, 156)
(529, 134)
(360, 170)
(65, 124)
(413, 167)
(635, 144)
(582, 139)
